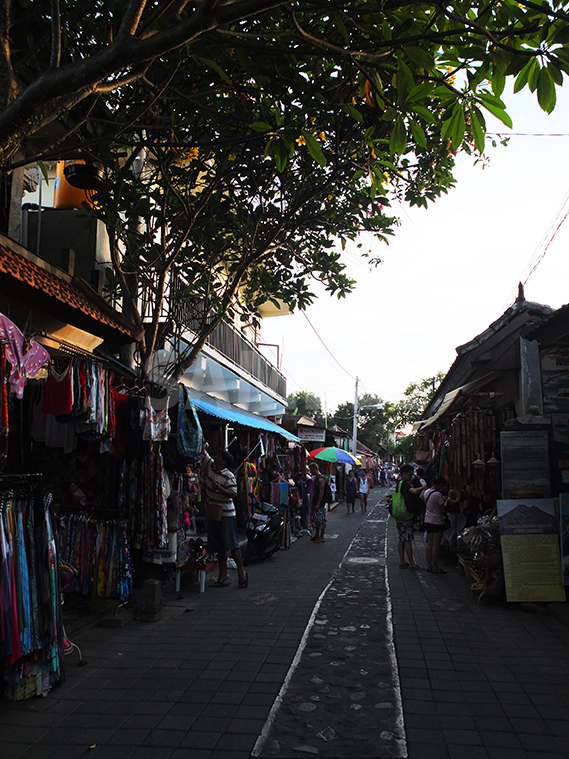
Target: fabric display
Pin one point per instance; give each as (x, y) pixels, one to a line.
(26, 356)
(75, 401)
(99, 551)
(31, 633)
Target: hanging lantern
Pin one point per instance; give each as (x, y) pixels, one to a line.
(84, 175)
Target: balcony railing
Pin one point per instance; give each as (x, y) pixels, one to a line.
(227, 340)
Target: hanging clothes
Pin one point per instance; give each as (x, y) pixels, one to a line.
(31, 655)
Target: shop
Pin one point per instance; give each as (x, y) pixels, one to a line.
(496, 430)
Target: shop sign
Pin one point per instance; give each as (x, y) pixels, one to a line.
(525, 464)
(312, 434)
(555, 381)
(529, 534)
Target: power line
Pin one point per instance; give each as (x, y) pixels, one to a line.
(324, 344)
(525, 134)
(544, 245)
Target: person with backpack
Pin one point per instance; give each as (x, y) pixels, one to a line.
(405, 519)
(321, 498)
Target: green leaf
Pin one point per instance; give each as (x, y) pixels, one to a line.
(534, 76)
(404, 81)
(353, 112)
(420, 91)
(418, 134)
(555, 73)
(546, 96)
(216, 67)
(522, 77)
(314, 148)
(44, 171)
(398, 137)
(498, 77)
(499, 113)
(260, 126)
(477, 130)
(561, 36)
(424, 113)
(422, 58)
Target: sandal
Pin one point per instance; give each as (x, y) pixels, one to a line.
(244, 583)
(221, 583)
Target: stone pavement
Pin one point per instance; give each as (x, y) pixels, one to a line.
(198, 684)
(210, 678)
(478, 682)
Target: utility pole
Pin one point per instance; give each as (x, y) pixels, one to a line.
(355, 427)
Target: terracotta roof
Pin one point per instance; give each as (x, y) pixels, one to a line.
(74, 294)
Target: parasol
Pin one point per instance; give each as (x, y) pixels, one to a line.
(334, 454)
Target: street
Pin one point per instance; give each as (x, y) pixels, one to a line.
(324, 655)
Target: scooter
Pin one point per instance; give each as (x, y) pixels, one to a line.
(264, 533)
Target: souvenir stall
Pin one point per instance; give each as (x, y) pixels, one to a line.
(31, 631)
(123, 493)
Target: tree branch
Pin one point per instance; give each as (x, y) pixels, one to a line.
(131, 18)
(65, 83)
(5, 26)
(55, 34)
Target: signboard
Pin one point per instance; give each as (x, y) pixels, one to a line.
(555, 381)
(530, 549)
(312, 434)
(525, 464)
(564, 522)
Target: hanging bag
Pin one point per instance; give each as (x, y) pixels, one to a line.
(190, 435)
(399, 507)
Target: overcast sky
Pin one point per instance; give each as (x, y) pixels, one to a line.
(449, 272)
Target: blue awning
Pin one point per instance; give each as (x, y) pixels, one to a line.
(224, 410)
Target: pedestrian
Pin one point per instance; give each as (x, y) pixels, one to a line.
(318, 503)
(351, 490)
(220, 486)
(406, 528)
(382, 477)
(435, 509)
(364, 488)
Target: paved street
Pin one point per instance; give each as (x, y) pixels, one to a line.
(302, 663)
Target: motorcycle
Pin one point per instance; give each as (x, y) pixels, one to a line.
(264, 533)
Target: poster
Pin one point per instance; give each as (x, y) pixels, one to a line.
(525, 464)
(529, 535)
(555, 381)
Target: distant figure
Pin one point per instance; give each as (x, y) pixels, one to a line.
(365, 487)
(351, 490)
(318, 504)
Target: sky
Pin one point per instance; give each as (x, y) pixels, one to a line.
(448, 272)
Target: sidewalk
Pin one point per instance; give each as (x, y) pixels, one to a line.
(478, 682)
(198, 684)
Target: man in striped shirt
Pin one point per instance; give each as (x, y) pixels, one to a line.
(220, 488)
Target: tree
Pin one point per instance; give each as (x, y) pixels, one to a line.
(305, 403)
(373, 424)
(63, 59)
(417, 397)
(293, 123)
